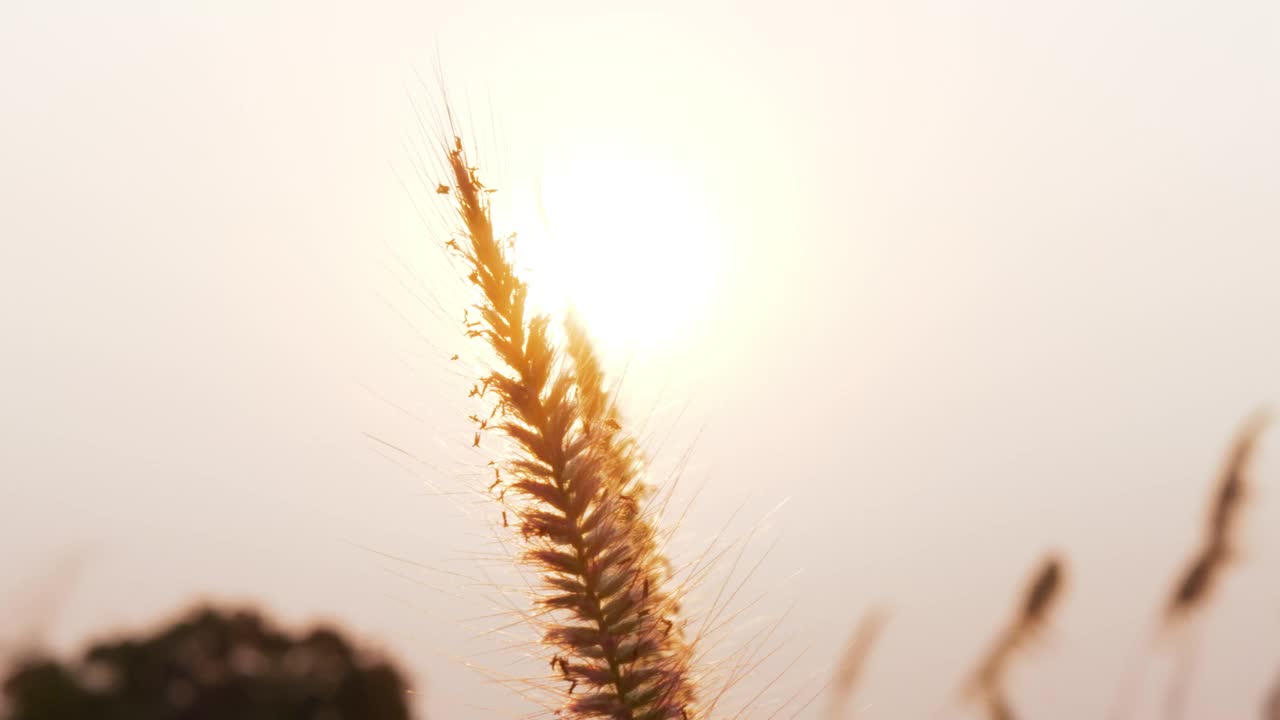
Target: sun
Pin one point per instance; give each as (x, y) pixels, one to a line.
(624, 239)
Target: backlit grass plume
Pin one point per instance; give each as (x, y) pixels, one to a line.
(987, 683)
(577, 496)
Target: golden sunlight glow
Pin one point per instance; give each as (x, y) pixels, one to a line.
(625, 240)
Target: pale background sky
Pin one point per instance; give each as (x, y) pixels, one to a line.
(991, 278)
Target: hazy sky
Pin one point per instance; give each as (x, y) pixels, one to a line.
(981, 279)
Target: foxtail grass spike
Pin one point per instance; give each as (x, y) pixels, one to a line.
(619, 642)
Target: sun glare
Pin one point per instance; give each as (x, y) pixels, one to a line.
(625, 240)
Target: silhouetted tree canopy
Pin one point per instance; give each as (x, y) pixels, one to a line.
(211, 665)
